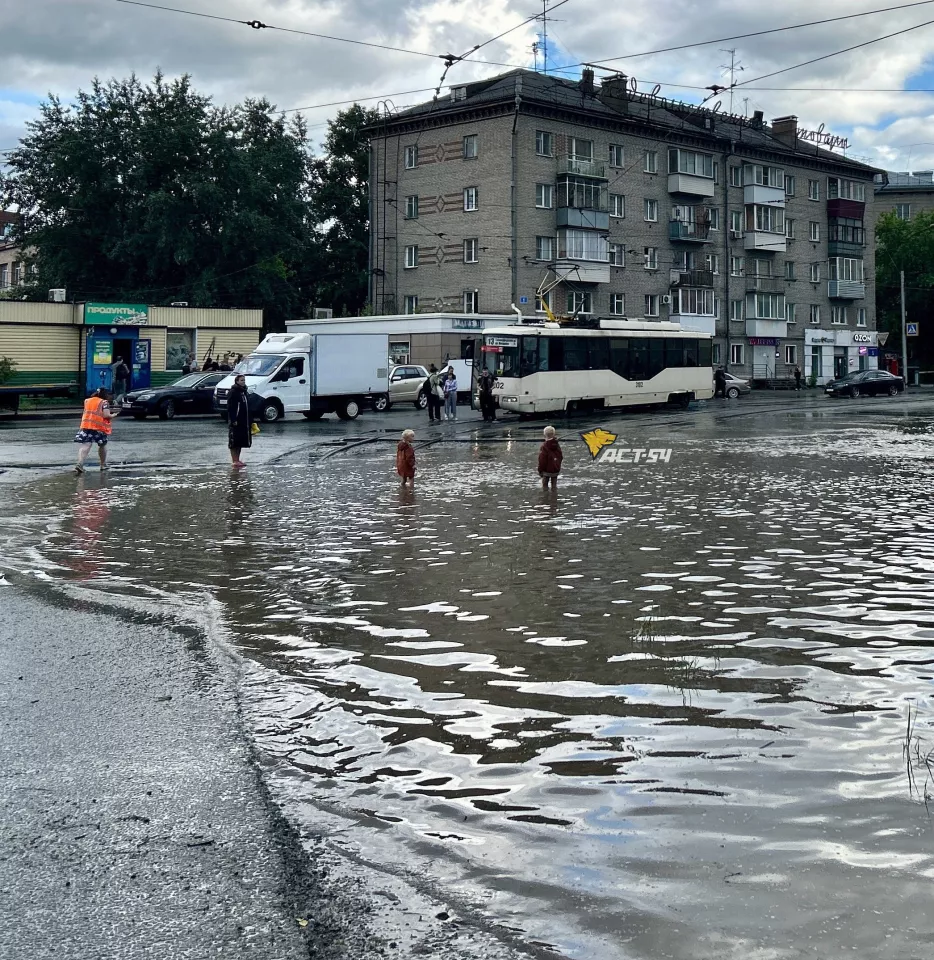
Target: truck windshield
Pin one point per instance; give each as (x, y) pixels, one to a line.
(501, 356)
(258, 365)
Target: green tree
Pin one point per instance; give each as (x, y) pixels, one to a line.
(148, 192)
(340, 202)
(7, 369)
(906, 245)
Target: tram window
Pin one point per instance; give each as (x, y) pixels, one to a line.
(556, 354)
(690, 353)
(638, 359)
(705, 353)
(674, 353)
(544, 350)
(656, 356)
(528, 362)
(598, 353)
(619, 357)
(575, 353)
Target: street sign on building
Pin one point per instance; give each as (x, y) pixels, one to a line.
(116, 314)
(911, 329)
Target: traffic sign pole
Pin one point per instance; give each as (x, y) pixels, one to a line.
(904, 334)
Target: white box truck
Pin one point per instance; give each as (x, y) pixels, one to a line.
(312, 374)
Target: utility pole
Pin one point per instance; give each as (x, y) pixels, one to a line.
(545, 37)
(904, 334)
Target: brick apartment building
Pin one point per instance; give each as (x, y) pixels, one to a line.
(603, 201)
(904, 194)
(11, 269)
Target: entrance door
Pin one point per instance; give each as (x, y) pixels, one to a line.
(100, 353)
(141, 365)
(291, 385)
(816, 363)
(839, 362)
(763, 362)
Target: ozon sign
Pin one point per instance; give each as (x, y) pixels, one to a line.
(864, 338)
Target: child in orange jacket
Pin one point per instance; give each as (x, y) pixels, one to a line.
(405, 457)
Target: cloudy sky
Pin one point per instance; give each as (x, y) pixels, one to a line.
(60, 45)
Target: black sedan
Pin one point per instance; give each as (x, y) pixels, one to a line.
(866, 383)
(192, 394)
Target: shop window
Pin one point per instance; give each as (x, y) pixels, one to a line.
(179, 345)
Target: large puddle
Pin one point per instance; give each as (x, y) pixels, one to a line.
(675, 710)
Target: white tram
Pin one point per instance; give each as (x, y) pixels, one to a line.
(596, 364)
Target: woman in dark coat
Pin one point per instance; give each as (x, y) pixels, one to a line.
(238, 421)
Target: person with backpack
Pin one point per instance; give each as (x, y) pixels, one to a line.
(432, 389)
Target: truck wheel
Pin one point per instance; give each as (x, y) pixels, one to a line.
(270, 411)
(422, 400)
(381, 403)
(312, 414)
(348, 410)
(167, 410)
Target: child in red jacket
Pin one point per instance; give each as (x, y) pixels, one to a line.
(549, 459)
(405, 457)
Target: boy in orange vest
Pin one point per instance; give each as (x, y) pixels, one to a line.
(95, 428)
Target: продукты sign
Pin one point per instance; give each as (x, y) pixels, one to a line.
(116, 314)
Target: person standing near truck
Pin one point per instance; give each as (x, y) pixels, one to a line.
(450, 396)
(95, 428)
(487, 403)
(239, 425)
(433, 390)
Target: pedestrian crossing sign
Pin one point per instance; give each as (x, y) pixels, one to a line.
(912, 329)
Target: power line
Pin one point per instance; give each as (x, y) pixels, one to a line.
(537, 16)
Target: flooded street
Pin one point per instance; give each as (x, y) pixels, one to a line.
(678, 709)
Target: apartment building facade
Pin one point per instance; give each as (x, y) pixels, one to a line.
(904, 194)
(532, 190)
(11, 266)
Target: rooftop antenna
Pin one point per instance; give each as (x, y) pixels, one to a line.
(545, 37)
(535, 55)
(734, 68)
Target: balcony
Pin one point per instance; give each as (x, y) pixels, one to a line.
(846, 290)
(689, 232)
(581, 168)
(762, 242)
(582, 271)
(690, 185)
(693, 278)
(848, 209)
(695, 323)
(765, 284)
(766, 328)
(765, 196)
(583, 218)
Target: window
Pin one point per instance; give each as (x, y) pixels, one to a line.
(470, 198)
(815, 273)
(715, 354)
(759, 268)
(544, 248)
(651, 210)
(617, 304)
(617, 206)
(411, 208)
(736, 221)
(4, 276)
(471, 301)
(581, 149)
(617, 253)
(580, 302)
(411, 304)
(789, 270)
(399, 353)
(845, 189)
(581, 193)
(813, 189)
(617, 155)
(763, 175)
(791, 315)
(815, 313)
(411, 157)
(651, 162)
(789, 229)
(650, 255)
(714, 218)
(411, 257)
(470, 147)
(765, 219)
(737, 266)
(686, 260)
(697, 301)
(767, 306)
(861, 317)
(651, 304)
(736, 176)
(471, 250)
(903, 211)
(543, 143)
(716, 172)
(736, 354)
(846, 230)
(736, 309)
(179, 346)
(789, 186)
(582, 245)
(542, 300)
(814, 231)
(712, 262)
(689, 162)
(838, 315)
(791, 354)
(846, 268)
(544, 196)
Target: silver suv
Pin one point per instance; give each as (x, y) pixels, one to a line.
(405, 385)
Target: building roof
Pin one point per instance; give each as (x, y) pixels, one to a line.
(613, 100)
(922, 181)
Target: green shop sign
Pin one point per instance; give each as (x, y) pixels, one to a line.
(116, 314)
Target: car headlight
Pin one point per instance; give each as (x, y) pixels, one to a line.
(510, 399)
(145, 396)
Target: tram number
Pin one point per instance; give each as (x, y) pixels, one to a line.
(639, 383)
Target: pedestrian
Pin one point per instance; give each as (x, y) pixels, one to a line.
(239, 425)
(186, 367)
(405, 458)
(433, 392)
(549, 459)
(239, 358)
(487, 403)
(797, 378)
(719, 382)
(95, 428)
(195, 367)
(121, 381)
(450, 396)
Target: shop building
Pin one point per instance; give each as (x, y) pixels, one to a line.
(56, 344)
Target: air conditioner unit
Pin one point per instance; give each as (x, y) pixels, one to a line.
(57, 295)
(323, 313)
(666, 299)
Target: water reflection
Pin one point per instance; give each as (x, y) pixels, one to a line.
(653, 713)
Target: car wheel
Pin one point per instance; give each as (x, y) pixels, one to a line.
(312, 414)
(381, 403)
(348, 410)
(854, 392)
(422, 400)
(893, 391)
(270, 411)
(167, 410)
(733, 393)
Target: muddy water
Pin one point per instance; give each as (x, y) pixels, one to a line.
(662, 713)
